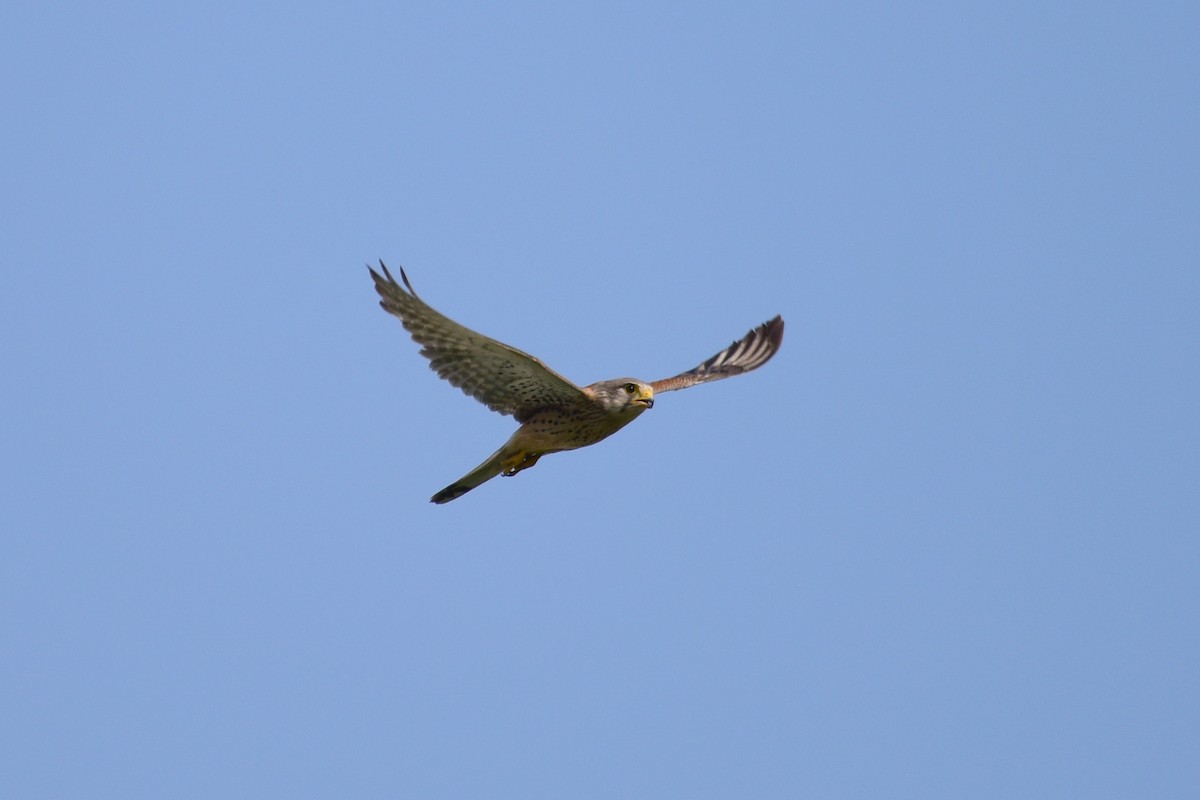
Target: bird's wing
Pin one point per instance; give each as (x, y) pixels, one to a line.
(750, 352)
(501, 377)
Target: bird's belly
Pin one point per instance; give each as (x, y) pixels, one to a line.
(558, 430)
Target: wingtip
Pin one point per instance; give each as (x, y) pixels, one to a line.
(774, 330)
(771, 330)
(387, 277)
(407, 285)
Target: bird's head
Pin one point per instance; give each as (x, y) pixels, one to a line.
(623, 395)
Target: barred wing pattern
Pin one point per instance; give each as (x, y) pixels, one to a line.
(750, 352)
(501, 377)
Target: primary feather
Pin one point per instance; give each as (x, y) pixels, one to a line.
(750, 352)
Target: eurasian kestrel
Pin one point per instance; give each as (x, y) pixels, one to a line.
(554, 413)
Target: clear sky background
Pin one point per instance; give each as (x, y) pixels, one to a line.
(945, 545)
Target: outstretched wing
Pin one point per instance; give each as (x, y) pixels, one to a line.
(750, 352)
(501, 377)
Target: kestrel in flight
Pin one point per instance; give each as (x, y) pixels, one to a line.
(554, 413)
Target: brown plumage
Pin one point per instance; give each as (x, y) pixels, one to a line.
(554, 413)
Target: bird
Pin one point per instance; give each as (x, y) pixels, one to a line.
(554, 413)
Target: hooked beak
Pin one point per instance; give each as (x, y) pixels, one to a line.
(646, 399)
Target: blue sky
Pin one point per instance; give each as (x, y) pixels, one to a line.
(943, 546)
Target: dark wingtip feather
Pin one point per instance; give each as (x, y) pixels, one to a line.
(404, 277)
(774, 330)
(386, 282)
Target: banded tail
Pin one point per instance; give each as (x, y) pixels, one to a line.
(481, 474)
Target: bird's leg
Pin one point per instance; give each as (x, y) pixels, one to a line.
(519, 461)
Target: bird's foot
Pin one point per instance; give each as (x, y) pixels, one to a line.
(518, 462)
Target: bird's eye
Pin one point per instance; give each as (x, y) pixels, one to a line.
(630, 388)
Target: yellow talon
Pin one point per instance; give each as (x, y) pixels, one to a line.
(518, 462)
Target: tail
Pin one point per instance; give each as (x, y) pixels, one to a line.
(484, 472)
